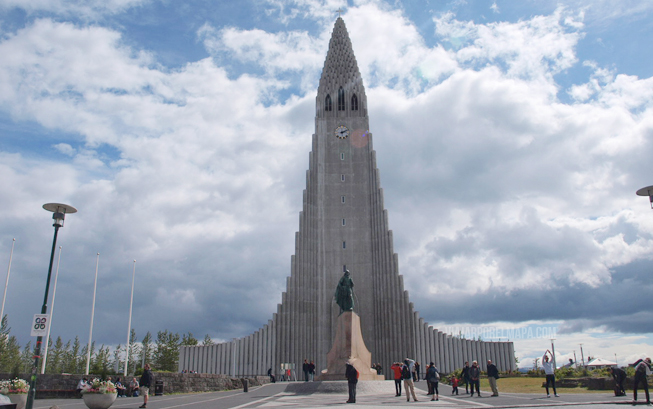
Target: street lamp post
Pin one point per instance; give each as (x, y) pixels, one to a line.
(646, 191)
(54, 293)
(59, 214)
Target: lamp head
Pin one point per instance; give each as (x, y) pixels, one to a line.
(59, 211)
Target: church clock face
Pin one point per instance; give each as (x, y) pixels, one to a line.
(342, 132)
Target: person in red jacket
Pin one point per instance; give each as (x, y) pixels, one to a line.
(396, 368)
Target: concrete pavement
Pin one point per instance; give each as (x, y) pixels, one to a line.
(370, 394)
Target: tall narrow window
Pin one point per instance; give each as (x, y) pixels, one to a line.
(342, 199)
(343, 222)
(344, 244)
(327, 103)
(354, 103)
(342, 178)
(341, 99)
(344, 268)
(342, 156)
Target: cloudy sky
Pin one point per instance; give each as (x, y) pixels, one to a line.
(511, 138)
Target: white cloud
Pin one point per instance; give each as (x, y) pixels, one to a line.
(492, 184)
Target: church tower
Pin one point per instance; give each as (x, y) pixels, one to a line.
(343, 225)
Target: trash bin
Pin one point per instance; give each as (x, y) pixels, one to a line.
(245, 384)
(158, 388)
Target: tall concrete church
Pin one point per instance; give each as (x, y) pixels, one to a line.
(343, 226)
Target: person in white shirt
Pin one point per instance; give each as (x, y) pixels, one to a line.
(549, 370)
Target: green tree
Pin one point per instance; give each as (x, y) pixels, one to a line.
(27, 358)
(207, 340)
(55, 358)
(118, 364)
(134, 349)
(189, 339)
(166, 355)
(146, 350)
(9, 348)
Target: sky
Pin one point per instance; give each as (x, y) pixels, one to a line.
(511, 137)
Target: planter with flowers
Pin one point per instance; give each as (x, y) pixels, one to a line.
(16, 390)
(99, 394)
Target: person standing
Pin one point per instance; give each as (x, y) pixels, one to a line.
(492, 376)
(642, 370)
(305, 370)
(311, 371)
(465, 376)
(146, 383)
(352, 379)
(433, 378)
(416, 373)
(396, 369)
(475, 379)
(407, 375)
(549, 370)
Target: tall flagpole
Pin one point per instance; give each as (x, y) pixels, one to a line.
(90, 333)
(129, 326)
(4, 297)
(54, 293)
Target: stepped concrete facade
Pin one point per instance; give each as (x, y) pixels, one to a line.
(343, 225)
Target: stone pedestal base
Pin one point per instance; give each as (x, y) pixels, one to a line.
(348, 345)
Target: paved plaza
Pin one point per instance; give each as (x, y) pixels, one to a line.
(371, 394)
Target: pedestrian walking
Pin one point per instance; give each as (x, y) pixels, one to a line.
(475, 379)
(454, 385)
(433, 378)
(465, 376)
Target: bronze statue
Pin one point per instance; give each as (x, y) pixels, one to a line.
(345, 293)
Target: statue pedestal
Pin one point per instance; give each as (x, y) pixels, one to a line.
(348, 345)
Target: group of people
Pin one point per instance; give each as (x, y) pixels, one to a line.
(408, 372)
(471, 377)
(642, 371)
(134, 388)
(309, 370)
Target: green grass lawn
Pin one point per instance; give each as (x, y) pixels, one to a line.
(529, 385)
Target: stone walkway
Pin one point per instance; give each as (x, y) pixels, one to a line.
(370, 394)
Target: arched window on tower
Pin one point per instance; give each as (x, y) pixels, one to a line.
(354, 103)
(341, 99)
(327, 103)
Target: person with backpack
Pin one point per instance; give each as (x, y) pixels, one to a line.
(407, 375)
(433, 378)
(352, 379)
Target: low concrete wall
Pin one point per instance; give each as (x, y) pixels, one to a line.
(64, 385)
